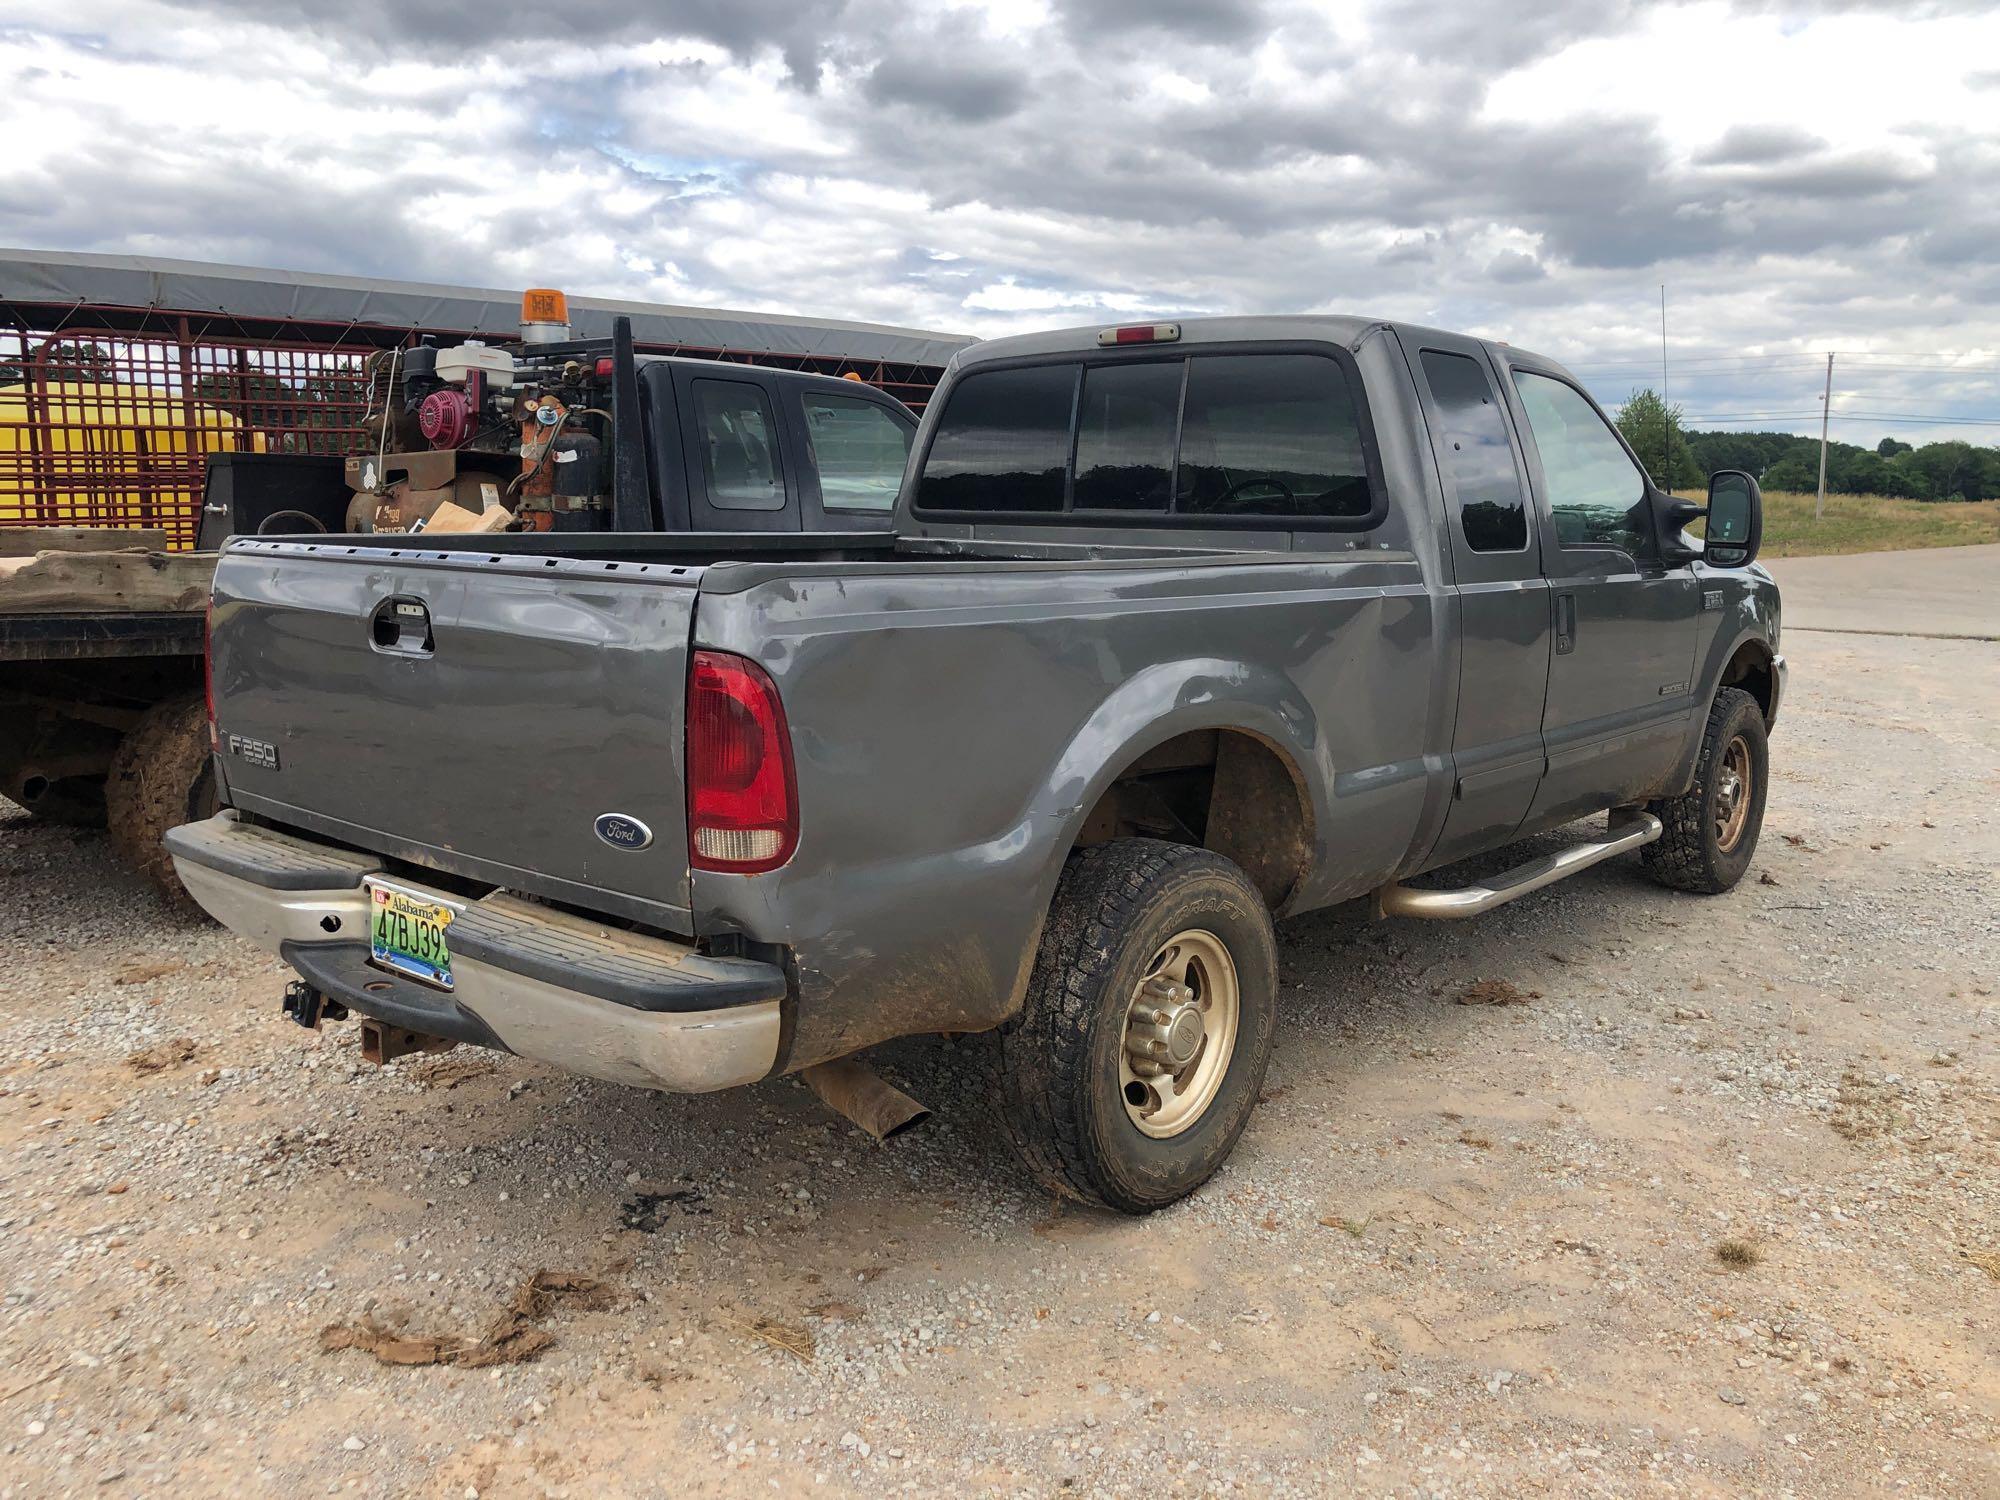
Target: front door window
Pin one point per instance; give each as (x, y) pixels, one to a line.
(1596, 492)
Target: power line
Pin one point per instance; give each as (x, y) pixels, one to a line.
(1901, 354)
(1929, 370)
(1870, 418)
(1914, 416)
(1945, 363)
(1890, 416)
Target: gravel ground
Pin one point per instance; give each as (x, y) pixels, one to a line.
(1715, 1209)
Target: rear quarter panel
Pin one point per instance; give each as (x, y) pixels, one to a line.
(954, 723)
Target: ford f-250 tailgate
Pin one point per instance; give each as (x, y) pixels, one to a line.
(512, 719)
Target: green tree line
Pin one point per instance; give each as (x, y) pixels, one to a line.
(1787, 461)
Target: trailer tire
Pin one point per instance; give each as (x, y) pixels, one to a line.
(1132, 919)
(161, 777)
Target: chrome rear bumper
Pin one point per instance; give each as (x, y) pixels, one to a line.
(538, 982)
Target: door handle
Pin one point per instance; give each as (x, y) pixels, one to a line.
(401, 627)
(1565, 624)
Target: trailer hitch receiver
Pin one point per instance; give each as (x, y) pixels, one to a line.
(309, 1006)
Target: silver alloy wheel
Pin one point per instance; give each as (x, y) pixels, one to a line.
(1732, 795)
(1180, 1033)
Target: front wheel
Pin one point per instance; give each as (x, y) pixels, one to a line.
(1712, 828)
(1141, 1048)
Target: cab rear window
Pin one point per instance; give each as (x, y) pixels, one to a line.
(1272, 437)
(1003, 443)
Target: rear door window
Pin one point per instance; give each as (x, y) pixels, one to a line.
(1477, 455)
(1125, 436)
(1271, 435)
(859, 449)
(1003, 441)
(739, 446)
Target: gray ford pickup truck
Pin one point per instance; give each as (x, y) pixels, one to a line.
(1181, 628)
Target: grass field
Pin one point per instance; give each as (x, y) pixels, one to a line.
(1868, 523)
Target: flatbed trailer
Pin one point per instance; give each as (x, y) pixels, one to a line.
(81, 636)
(101, 704)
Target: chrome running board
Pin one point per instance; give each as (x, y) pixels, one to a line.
(1627, 831)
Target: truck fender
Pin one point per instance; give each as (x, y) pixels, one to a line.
(1752, 628)
(1176, 698)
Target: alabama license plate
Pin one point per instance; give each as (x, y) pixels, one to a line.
(406, 934)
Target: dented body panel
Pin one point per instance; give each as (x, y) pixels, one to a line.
(964, 697)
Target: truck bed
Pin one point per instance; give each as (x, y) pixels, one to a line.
(549, 692)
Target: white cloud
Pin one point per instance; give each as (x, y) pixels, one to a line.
(1800, 179)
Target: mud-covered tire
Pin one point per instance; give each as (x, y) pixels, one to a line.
(1057, 1065)
(1692, 855)
(161, 777)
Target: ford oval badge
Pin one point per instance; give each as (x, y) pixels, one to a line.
(622, 832)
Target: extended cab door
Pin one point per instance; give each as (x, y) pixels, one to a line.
(853, 443)
(740, 475)
(1620, 677)
(1503, 596)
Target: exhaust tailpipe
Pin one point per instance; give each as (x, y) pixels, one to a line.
(848, 1086)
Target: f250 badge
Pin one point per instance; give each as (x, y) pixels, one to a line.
(623, 832)
(257, 752)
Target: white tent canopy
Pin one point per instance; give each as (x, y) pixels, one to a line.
(58, 278)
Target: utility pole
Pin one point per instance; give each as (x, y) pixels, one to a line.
(1666, 411)
(1825, 414)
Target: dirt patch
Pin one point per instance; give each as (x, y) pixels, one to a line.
(163, 1055)
(794, 1341)
(1869, 1107)
(512, 1337)
(1495, 992)
(146, 973)
(1361, 1302)
(646, 1212)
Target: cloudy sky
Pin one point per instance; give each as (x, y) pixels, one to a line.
(1803, 177)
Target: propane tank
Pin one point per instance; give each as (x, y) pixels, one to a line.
(541, 419)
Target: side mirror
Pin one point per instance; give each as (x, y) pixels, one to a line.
(1676, 515)
(1735, 519)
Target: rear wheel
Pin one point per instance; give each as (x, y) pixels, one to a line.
(1140, 1050)
(161, 777)
(1711, 830)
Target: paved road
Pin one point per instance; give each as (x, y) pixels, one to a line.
(1942, 591)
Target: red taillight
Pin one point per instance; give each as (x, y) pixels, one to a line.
(1140, 333)
(208, 674)
(743, 805)
(603, 367)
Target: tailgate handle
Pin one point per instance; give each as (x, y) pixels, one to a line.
(401, 625)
